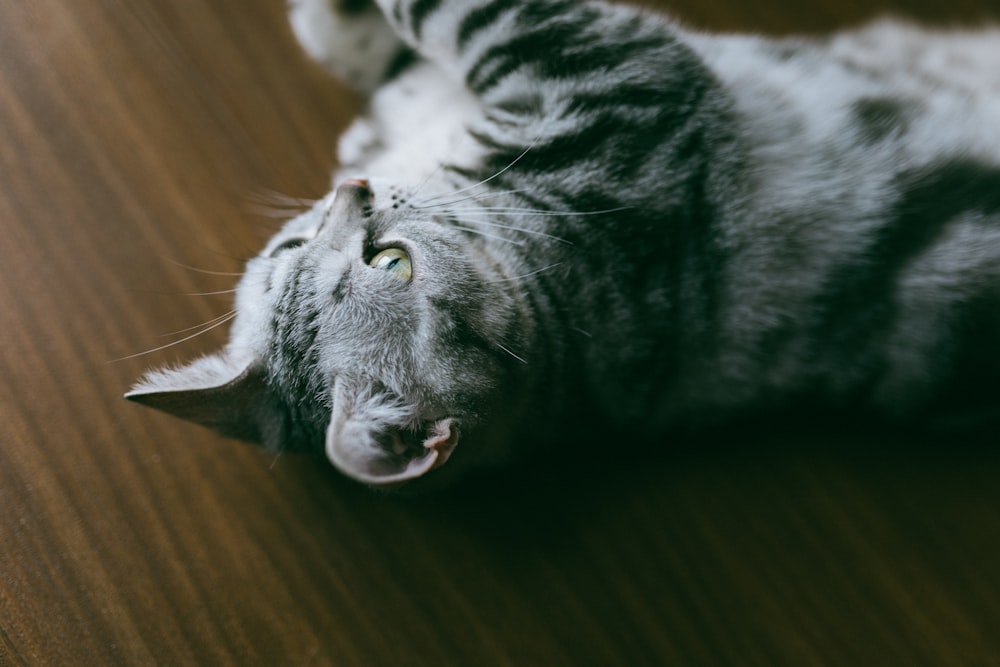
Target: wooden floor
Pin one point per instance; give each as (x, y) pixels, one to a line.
(142, 146)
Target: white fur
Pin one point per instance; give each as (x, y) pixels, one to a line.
(790, 106)
(358, 49)
(203, 373)
(415, 124)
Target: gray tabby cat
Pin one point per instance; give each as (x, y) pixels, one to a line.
(559, 214)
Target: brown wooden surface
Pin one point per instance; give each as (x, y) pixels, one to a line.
(137, 136)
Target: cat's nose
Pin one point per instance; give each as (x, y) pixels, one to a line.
(359, 183)
(346, 212)
(351, 200)
(355, 189)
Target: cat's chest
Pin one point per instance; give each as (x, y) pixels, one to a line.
(415, 124)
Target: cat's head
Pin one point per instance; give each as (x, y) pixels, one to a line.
(365, 327)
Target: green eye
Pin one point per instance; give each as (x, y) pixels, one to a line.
(395, 261)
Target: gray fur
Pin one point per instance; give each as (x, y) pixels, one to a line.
(610, 216)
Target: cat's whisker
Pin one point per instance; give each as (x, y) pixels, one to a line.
(274, 211)
(205, 271)
(275, 198)
(529, 274)
(216, 293)
(514, 228)
(434, 172)
(507, 350)
(186, 294)
(497, 237)
(427, 205)
(490, 178)
(242, 259)
(542, 212)
(199, 326)
(211, 324)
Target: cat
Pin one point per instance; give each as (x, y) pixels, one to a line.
(559, 214)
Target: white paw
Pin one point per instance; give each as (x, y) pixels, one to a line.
(357, 142)
(358, 47)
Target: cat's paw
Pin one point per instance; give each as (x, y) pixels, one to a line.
(351, 38)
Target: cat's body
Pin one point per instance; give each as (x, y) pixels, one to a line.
(593, 215)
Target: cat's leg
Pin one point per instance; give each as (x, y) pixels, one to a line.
(349, 37)
(462, 37)
(490, 44)
(567, 85)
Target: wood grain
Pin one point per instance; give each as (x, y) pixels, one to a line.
(141, 140)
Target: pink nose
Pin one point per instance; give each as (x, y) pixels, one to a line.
(361, 183)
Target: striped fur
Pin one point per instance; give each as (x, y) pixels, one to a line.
(611, 216)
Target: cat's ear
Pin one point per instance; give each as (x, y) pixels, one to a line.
(369, 438)
(223, 393)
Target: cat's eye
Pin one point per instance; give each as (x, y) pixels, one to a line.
(394, 260)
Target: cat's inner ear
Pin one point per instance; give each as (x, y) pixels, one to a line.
(371, 437)
(226, 394)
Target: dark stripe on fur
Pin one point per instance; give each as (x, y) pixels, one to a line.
(544, 34)
(292, 364)
(631, 96)
(489, 142)
(949, 190)
(605, 133)
(419, 11)
(353, 7)
(402, 61)
(878, 118)
(564, 46)
(466, 174)
(930, 200)
(481, 18)
(693, 250)
(858, 309)
(288, 348)
(597, 56)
